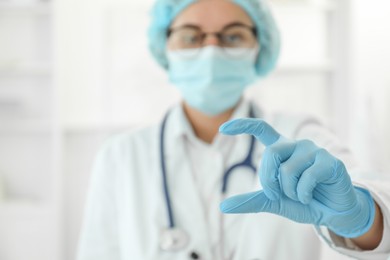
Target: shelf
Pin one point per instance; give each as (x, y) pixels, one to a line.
(314, 67)
(15, 209)
(26, 69)
(32, 7)
(102, 128)
(26, 127)
(29, 230)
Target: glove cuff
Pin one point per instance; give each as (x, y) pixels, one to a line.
(360, 218)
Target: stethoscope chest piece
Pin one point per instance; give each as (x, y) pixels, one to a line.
(173, 239)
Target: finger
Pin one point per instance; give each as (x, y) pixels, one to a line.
(291, 169)
(256, 127)
(319, 172)
(253, 202)
(273, 157)
(256, 202)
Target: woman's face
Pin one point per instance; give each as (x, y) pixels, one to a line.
(210, 16)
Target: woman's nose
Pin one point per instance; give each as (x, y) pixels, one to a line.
(211, 40)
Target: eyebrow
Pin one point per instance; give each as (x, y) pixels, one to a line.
(194, 26)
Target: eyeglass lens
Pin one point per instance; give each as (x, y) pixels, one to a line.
(237, 36)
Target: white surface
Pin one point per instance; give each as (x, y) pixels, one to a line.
(29, 7)
(26, 231)
(370, 82)
(2, 188)
(30, 43)
(30, 223)
(309, 22)
(296, 92)
(25, 69)
(79, 153)
(26, 160)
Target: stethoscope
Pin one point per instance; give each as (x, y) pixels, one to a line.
(173, 238)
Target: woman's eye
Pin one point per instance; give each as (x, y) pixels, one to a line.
(191, 39)
(233, 38)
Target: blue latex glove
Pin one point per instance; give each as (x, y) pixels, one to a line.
(302, 182)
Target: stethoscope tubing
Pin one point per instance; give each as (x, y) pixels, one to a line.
(171, 220)
(247, 162)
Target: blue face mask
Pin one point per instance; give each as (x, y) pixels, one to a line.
(210, 79)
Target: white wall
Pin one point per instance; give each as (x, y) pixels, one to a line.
(105, 67)
(370, 82)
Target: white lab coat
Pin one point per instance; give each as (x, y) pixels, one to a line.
(126, 209)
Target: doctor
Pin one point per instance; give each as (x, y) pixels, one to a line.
(156, 193)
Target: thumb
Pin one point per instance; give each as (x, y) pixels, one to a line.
(252, 202)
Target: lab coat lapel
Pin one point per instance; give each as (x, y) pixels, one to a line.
(187, 206)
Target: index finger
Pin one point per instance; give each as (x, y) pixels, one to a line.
(256, 127)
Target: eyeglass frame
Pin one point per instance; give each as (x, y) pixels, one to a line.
(218, 35)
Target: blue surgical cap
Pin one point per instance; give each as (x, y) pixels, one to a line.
(165, 11)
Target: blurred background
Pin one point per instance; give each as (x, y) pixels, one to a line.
(73, 72)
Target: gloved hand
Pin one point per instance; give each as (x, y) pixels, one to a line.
(302, 182)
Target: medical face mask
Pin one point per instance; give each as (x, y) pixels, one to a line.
(210, 79)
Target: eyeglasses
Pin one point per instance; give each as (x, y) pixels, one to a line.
(232, 38)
